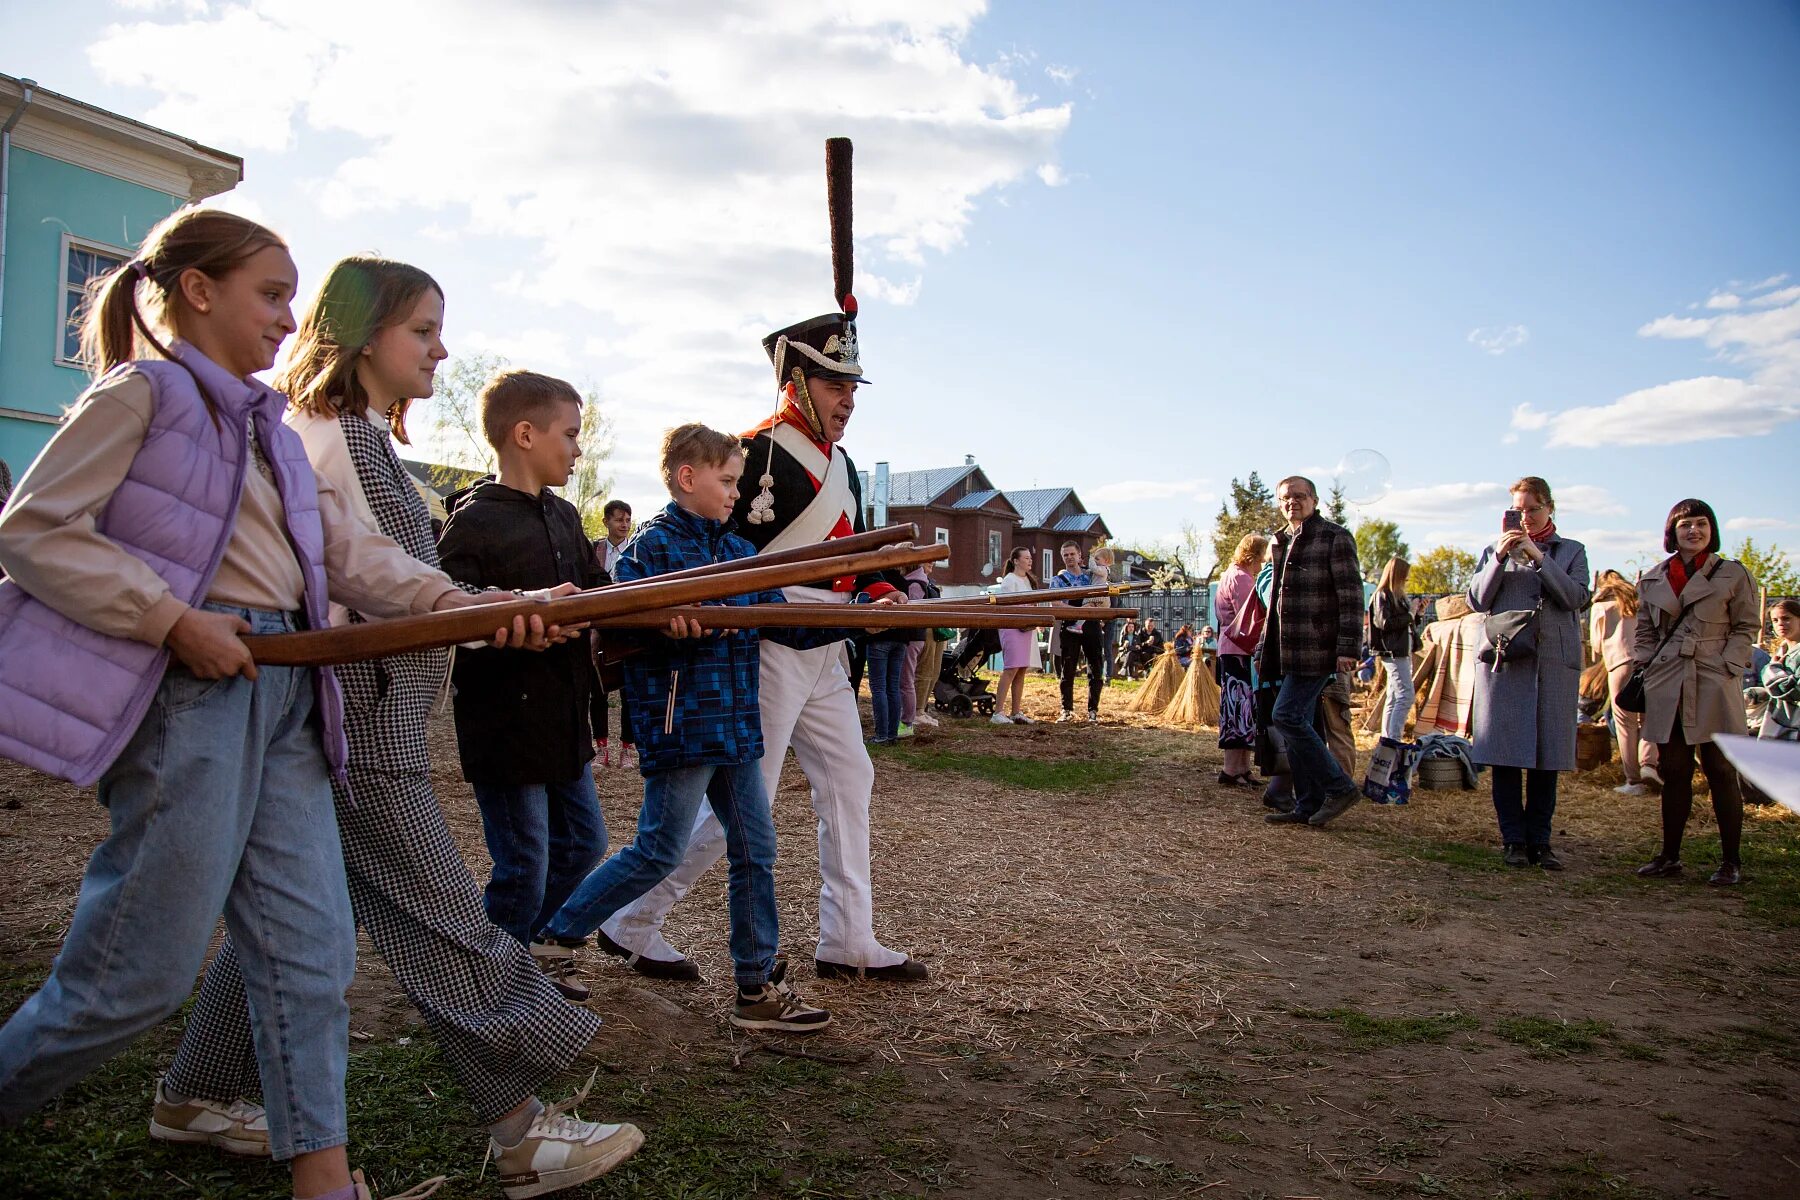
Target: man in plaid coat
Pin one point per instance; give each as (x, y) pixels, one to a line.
(1314, 630)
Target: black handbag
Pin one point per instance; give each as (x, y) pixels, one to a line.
(1631, 697)
(1510, 636)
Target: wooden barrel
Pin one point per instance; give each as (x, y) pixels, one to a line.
(1593, 746)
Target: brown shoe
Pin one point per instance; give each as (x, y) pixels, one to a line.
(1661, 868)
(1728, 875)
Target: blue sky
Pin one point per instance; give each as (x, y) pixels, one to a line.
(1134, 248)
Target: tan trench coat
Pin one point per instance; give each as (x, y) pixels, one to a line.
(1699, 674)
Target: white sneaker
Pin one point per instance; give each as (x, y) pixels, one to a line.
(240, 1127)
(1649, 774)
(1093, 716)
(1022, 719)
(560, 1150)
(628, 757)
(1000, 718)
(927, 720)
(1068, 715)
(1631, 789)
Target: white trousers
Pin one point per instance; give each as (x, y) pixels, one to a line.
(807, 704)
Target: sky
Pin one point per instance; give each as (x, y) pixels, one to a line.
(1137, 249)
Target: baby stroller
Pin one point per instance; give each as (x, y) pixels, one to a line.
(960, 692)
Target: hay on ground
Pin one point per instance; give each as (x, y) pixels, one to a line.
(1197, 701)
(1160, 688)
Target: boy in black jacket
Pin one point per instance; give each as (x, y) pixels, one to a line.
(522, 720)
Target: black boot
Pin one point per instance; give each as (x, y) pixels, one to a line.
(1545, 857)
(1515, 856)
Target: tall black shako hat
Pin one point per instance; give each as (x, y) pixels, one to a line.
(822, 347)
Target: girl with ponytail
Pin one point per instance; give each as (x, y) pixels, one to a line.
(172, 513)
(367, 348)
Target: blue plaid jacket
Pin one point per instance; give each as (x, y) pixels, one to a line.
(694, 702)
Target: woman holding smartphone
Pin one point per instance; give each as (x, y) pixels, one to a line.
(1524, 711)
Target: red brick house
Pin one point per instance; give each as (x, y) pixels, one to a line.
(960, 507)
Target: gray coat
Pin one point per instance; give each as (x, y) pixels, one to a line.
(1524, 714)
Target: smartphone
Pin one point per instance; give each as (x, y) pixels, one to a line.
(1511, 519)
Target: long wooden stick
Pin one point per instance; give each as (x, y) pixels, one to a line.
(856, 543)
(379, 639)
(1042, 594)
(843, 616)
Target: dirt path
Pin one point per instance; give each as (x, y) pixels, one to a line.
(1140, 987)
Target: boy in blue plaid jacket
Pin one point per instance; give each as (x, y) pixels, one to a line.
(699, 737)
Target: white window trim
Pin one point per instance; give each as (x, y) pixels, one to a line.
(1049, 565)
(941, 536)
(69, 241)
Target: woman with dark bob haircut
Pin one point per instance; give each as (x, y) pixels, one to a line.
(1697, 621)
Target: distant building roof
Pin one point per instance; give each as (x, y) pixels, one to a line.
(920, 487)
(1078, 523)
(1036, 504)
(976, 499)
(439, 478)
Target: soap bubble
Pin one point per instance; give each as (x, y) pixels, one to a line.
(1363, 475)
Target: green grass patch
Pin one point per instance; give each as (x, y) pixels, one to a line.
(1038, 775)
(1367, 1032)
(1546, 1037)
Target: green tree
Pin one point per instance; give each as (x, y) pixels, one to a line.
(1771, 567)
(1376, 542)
(1250, 509)
(1441, 569)
(1335, 507)
(456, 424)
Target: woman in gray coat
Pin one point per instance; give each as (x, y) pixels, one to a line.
(1524, 713)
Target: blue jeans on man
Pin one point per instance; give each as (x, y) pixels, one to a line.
(544, 838)
(1316, 773)
(672, 800)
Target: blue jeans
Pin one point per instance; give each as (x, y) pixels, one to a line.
(1524, 808)
(221, 802)
(672, 801)
(1316, 773)
(886, 662)
(544, 838)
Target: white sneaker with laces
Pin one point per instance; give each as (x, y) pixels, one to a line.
(1631, 789)
(240, 1128)
(1000, 719)
(776, 1007)
(1649, 774)
(561, 1151)
(1068, 715)
(927, 720)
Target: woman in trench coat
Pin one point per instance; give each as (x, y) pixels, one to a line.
(1694, 681)
(1524, 712)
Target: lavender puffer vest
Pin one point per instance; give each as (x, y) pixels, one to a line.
(71, 698)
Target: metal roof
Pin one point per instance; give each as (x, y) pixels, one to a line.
(919, 487)
(1035, 504)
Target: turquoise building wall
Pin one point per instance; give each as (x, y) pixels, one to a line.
(48, 198)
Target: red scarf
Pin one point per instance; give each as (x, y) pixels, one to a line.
(1548, 533)
(1679, 574)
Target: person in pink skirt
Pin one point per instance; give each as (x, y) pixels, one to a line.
(1015, 645)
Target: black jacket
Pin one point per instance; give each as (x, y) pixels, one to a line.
(794, 490)
(521, 716)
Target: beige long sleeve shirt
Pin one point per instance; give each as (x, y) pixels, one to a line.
(51, 546)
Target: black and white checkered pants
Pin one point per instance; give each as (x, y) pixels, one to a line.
(502, 1027)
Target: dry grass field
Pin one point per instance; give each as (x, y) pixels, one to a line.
(1139, 989)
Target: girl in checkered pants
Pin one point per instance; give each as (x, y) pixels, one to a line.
(368, 347)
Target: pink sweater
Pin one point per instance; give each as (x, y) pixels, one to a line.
(1235, 588)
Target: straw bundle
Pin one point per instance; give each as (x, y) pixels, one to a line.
(1160, 688)
(1197, 699)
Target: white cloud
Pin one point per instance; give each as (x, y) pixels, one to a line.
(1587, 499)
(1052, 175)
(1498, 339)
(1613, 546)
(1441, 501)
(652, 169)
(1062, 74)
(1751, 524)
(1761, 335)
(1687, 410)
(1526, 417)
(1129, 491)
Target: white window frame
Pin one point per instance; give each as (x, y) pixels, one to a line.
(941, 536)
(997, 549)
(64, 288)
(1049, 565)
